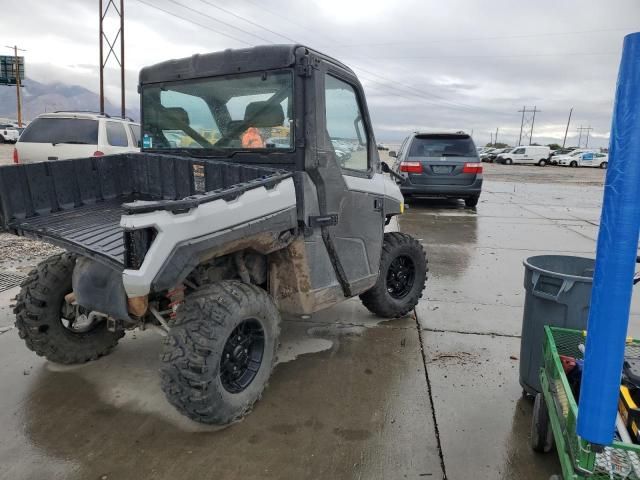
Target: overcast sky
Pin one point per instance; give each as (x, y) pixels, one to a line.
(425, 64)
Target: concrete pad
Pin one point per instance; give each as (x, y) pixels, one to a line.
(353, 404)
(482, 419)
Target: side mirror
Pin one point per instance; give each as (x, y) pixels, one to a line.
(392, 153)
(384, 166)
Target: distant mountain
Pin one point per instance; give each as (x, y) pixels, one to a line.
(40, 97)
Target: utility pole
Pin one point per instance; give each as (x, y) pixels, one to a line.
(524, 109)
(491, 143)
(496, 139)
(533, 121)
(567, 129)
(16, 69)
(119, 36)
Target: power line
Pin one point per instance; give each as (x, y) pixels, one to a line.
(501, 37)
(515, 55)
(219, 21)
(229, 12)
(168, 12)
(581, 129)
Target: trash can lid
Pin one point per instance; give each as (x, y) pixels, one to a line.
(563, 266)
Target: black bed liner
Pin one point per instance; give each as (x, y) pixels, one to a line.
(77, 204)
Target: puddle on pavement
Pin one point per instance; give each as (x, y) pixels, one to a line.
(348, 406)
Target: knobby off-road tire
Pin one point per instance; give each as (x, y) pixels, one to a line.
(402, 277)
(39, 316)
(199, 353)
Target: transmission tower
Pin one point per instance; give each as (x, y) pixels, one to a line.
(112, 10)
(527, 123)
(584, 129)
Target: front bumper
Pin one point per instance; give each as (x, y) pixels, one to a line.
(449, 191)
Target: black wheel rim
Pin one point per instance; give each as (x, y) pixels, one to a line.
(400, 277)
(242, 356)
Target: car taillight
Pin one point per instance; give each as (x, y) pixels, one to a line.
(98, 153)
(16, 157)
(411, 167)
(472, 168)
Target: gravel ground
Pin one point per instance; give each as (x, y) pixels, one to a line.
(21, 254)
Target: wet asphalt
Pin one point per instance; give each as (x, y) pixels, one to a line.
(434, 395)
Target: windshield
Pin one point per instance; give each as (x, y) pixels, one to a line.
(442, 146)
(77, 131)
(240, 112)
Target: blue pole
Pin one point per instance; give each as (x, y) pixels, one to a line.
(615, 258)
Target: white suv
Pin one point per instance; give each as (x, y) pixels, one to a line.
(63, 135)
(8, 133)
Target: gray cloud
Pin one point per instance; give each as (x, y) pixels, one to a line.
(424, 64)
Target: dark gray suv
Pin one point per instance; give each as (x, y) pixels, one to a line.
(439, 165)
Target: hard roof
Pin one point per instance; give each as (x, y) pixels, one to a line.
(264, 57)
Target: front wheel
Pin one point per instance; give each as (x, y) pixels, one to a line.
(402, 277)
(541, 432)
(542, 162)
(573, 164)
(603, 165)
(220, 352)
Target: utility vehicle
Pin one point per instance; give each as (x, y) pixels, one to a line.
(207, 240)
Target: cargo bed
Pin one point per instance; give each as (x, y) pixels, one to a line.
(78, 204)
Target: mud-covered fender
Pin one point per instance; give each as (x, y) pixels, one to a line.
(99, 288)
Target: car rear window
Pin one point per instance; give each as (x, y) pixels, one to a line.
(61, 130)
(442, 146)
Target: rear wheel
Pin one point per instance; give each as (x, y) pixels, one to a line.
(220, 352)
(573, 163)
(471, 201)
(51, 327)
(402, 277)
(2, 139)
(542, 162)
(541, 432)
(508, 161)
(603, 165)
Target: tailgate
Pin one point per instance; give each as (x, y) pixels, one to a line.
(443, 171)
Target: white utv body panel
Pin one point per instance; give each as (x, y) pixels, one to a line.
(174, 229)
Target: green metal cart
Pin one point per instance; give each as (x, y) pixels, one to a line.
(555, 417)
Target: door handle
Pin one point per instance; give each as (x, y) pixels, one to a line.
(378, 203)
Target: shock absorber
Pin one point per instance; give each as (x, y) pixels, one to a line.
(175, 297)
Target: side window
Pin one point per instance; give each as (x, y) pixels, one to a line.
(116, 135)
(519, 151)
(135, 134)
(345, 125)
(403, 145)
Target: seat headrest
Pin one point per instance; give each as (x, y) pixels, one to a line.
(176, 116)
(263, 115)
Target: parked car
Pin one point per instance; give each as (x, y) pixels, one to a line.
(491, 156)
(485, 153)
(585, 159)
(382, 147)
(567, 158)
(64, 135)
(439, 165)
(530, 154)
(8, 133)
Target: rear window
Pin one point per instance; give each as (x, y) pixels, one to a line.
(116, 135)
(442, 146)
(61, 130)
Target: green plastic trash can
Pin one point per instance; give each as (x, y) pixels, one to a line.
(558, 292)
